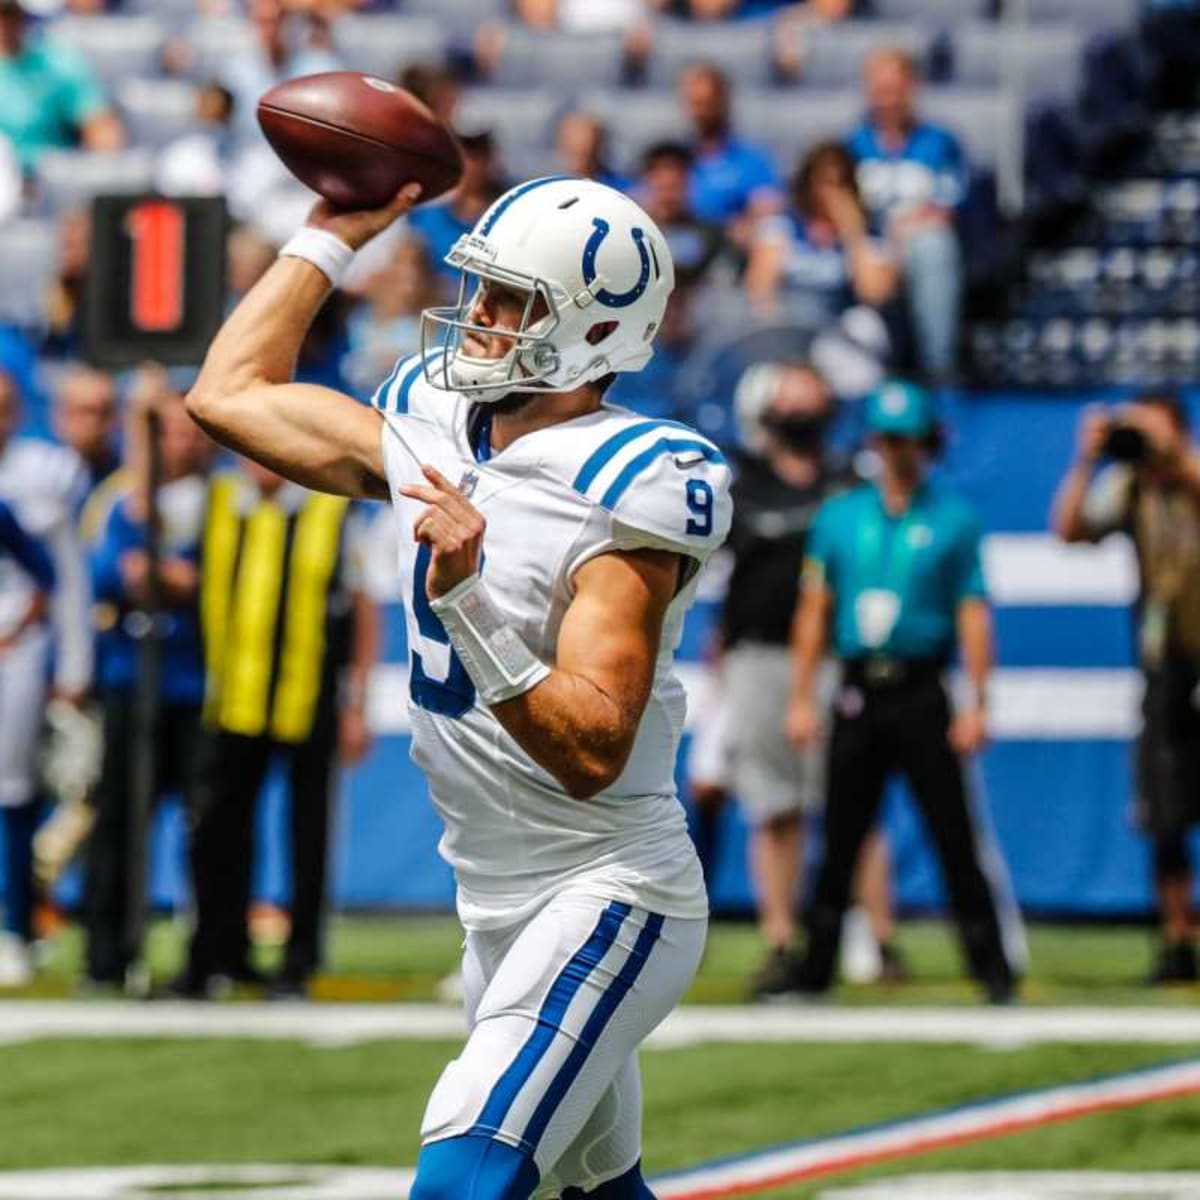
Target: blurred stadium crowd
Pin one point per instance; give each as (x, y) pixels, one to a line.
(868, 188)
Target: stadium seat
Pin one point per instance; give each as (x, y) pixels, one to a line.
(636, 120)
(117, 47)
(933, 12)
(156, 111)
(384, 44)
(67, 179)
(1091, 14)
(788, 123)
(985, 121)
(214, 42)
(836, 55)
(176, 13)
(29, 252)
(459, 17)
(520, 119)
(560, 60)
(742, 50)
(1048, 66)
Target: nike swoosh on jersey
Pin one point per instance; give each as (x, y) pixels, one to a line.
(690, 460)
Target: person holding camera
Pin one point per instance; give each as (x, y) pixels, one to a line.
(892, 577)
(1150, 489)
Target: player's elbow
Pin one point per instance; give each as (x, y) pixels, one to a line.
(595, 769)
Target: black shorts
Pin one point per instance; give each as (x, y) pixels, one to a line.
(1168, 755)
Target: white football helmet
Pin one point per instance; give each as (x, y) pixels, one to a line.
(597, 260)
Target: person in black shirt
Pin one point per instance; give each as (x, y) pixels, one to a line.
(780, 480)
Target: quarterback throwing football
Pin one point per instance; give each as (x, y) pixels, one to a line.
(554, 551)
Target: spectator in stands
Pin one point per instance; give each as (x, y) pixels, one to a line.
(781, 477)
(1150, 490)
(86, 419)
(821, 254)
(440, 225)
(582, 145)
(664, 191)
(120, 579)
(314, 640)
(733, 182)
(248, 257)
(63, 335)
(579, 16)
(388, 325)
(796, 26)
(198, 163)
(275, 56)
(704, 258)
(718, 10)
(44, 485)
(913, 176)
(437, 86)
(49, 98)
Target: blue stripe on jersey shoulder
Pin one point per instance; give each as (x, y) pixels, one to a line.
(607, 451)
(550, 1017)
(506, 202)
(395, 392)
(380, 398)
(608, 1004)
(640, 462)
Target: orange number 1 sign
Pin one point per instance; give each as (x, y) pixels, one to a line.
(156, 230)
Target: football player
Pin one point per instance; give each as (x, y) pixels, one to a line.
(555, 543)
(44, 486)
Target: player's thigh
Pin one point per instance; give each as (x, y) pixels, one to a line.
(581, 986)
(22, 707)
(610, 1142)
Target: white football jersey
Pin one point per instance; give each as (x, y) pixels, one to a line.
(554, 499)
(46, 484)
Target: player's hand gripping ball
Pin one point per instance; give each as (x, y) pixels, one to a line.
(356, 140)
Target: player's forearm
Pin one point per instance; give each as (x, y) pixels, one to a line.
(975, 646)
(260, 341)
(571, 729)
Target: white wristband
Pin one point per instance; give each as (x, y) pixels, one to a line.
(326, 251)
(499, 663)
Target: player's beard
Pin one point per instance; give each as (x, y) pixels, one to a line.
(512, 403)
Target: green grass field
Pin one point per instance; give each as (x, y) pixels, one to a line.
(68, 1102)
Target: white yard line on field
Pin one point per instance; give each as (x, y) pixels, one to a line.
(348, 1024)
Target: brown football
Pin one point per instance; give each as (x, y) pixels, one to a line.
(357, 140)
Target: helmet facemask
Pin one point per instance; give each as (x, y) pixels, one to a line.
(531, 358)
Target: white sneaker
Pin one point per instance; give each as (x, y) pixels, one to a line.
(861, 960)
(16, 963)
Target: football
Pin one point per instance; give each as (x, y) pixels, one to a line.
(356, 140)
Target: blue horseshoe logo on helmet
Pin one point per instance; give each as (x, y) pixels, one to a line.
(615, 299)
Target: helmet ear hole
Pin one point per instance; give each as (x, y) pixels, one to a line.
(599, 332)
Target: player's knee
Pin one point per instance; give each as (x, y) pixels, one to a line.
(630, 1186)
(473, 1168)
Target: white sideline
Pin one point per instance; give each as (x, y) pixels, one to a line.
(350, 1024)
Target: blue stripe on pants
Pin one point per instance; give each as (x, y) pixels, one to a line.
(558, 999)
(595, 1026)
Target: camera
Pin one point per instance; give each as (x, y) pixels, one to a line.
(1125, 443)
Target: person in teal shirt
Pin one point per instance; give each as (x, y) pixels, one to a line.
(893, 579)
(49, 98)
